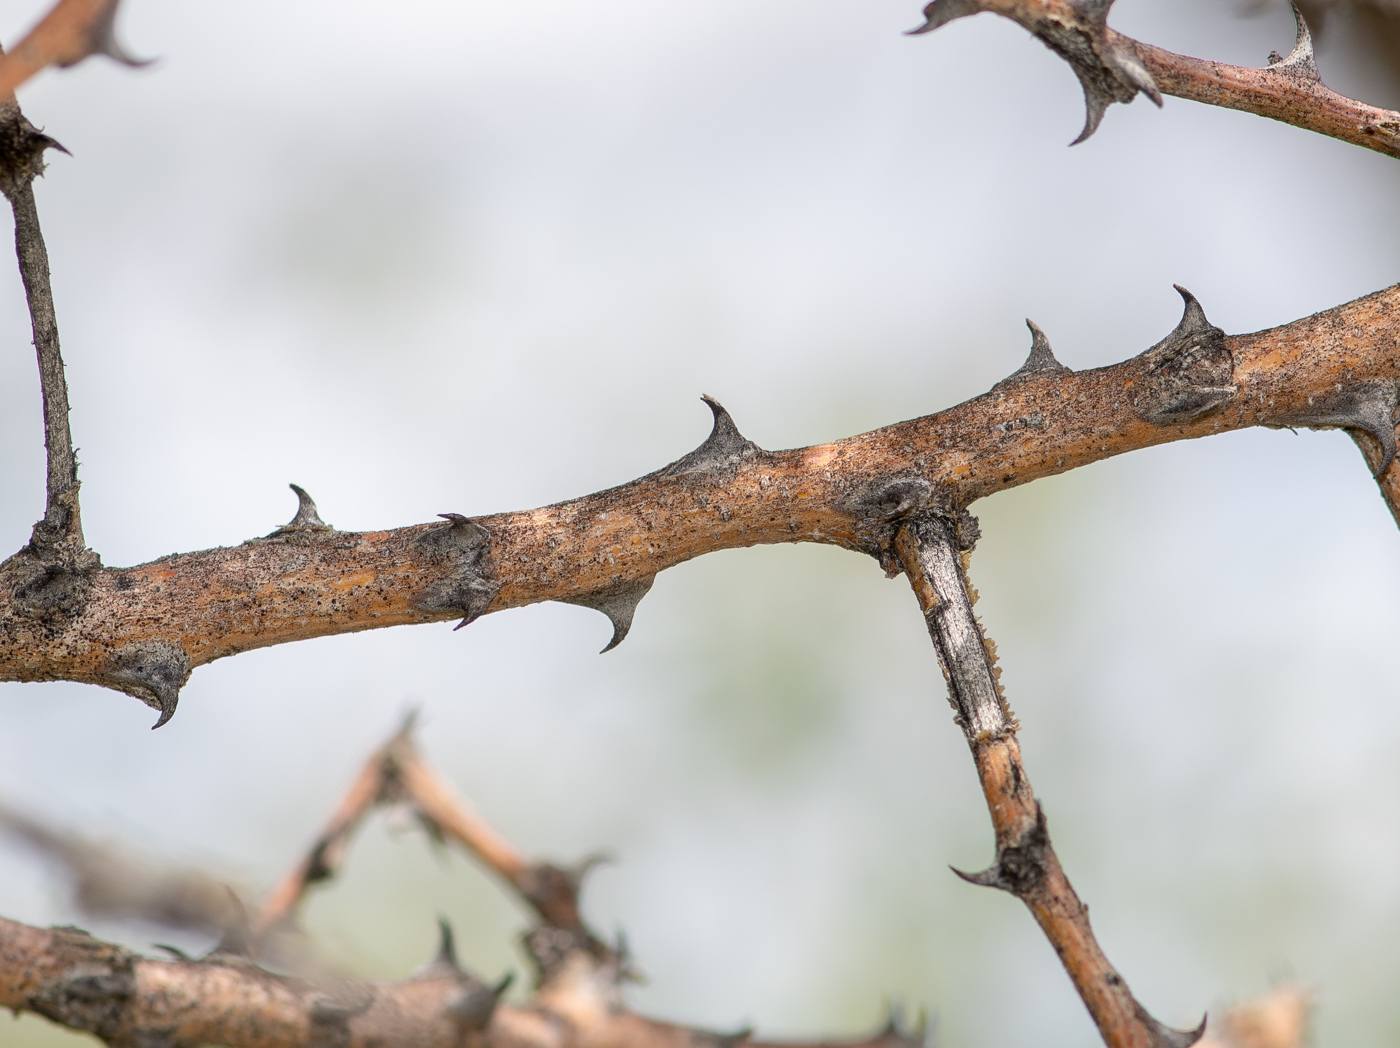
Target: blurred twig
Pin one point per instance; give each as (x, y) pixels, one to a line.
(111, 883)
(71, 31)
(1279, 1019)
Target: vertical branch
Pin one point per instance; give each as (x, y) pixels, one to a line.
(933, 551)
(1389, 480)
(22, 149)
(61, 512)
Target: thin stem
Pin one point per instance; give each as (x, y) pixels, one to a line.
(1301, 100)
(1026, 864)
(61, 512)
(22, 149)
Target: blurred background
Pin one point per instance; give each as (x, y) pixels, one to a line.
(426, 256)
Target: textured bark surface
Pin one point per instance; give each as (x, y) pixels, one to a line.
(142, 629)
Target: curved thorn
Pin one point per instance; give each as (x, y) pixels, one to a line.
(1164, 1036)
(447, 951)
(1303, 55)
(941, 12)
(1096, 104)
(618, 603)
(722, 452)
(1040, 360)
(49, 142)
(306, 516)
(459, 520)
(724, 427)
(1193, 317)
(1136, 73)
(104, 39)
(988, 878)
(168, 701)
(581, 869)
(237, 940)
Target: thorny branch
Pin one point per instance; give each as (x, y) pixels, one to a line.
(1115, 68)
(142, 630)
(934, 550)
(899, 494)
(227, 998)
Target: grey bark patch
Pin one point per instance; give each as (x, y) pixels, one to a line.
(722, 453)
(888, 499)
(46, 591)
(459, 549)
(1040, 362)
(618, 603)
(956, 634)
(1190, 372)
(93, 992)
(1368, 406)
(153, 672)
(331, 1015)
(1021, 867)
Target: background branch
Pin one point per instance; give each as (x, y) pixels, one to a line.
(130, 1001)
(112, 883)
(71, 31)
(1114, 68)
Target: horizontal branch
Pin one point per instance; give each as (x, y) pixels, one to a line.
(1115, 68)
(142, 630)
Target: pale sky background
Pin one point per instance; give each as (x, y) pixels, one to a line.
(430, 256)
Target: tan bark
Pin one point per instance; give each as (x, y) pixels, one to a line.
(142, 629)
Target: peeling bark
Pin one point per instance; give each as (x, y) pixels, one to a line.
(933, 551)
